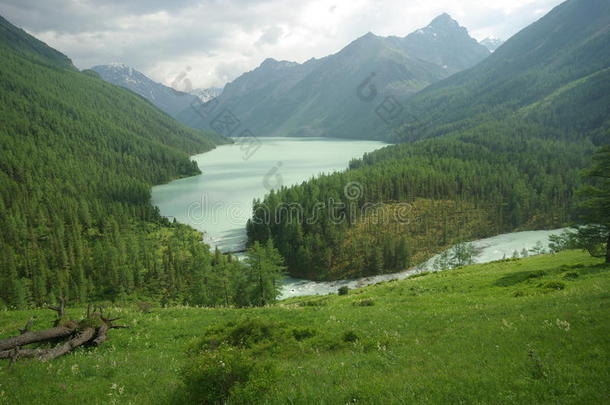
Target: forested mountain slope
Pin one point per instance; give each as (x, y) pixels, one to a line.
(78, 157)
(555, 72)
(329, 96)
(491, 150)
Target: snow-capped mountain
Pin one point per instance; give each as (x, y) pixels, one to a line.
(165, 98)
(207, 94)
(492, 43)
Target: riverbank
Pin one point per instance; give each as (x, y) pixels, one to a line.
(489, 249)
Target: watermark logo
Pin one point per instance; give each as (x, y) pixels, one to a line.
(225, 123)
(204, 109)
(367, 91)
(352, 190)
(273, 179)
(390, 110)
(248, 143)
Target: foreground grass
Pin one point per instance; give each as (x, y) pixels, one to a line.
(535, 330)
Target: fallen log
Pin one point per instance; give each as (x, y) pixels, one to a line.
(37, 336)
(93, 330)
(18, 353)
(101, 335)
(70, 345)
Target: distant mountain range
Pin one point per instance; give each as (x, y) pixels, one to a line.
(340, 95)
(492, 43)
(165, 98)
(208, 94)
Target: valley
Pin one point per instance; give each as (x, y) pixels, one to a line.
(303, 203)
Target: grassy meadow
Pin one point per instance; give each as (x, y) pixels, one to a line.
(533, 330)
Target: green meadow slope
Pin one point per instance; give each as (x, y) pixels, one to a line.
(530, 331)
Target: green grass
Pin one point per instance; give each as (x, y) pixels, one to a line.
(498, 333)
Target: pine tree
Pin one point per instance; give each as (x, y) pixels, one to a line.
(596, 203)
(265, 269)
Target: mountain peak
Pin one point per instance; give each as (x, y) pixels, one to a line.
(269, 62)
(443, 20)
(443, 26)
(276, 64)
(118, 65)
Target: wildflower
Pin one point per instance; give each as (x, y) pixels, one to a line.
(565, 325)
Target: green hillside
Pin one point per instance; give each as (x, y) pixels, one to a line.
(511, 332)
(564, 53)
(78, 158)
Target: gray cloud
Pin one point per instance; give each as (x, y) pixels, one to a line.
(221, 39)
(271, 36)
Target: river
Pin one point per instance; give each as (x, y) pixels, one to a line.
(489, 250)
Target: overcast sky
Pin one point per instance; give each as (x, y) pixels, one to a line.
(220, 39)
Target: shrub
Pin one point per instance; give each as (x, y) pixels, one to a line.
(572, 275)
(303, 333)
(314, 303)
(367, 302)
(144, 307)
(536, 274)
(343, 290)
(216, 376)
(554, 285)
(245, 333)
(252, 331)
(350, 336)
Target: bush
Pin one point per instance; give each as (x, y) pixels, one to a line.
(344, 290)
(216, 376)
(554, 285)
(536, 274)
(572, 275)
(303, 333)
(245, 333)
(368, 302)
(350, 336)
(144, 307)
(314, 303)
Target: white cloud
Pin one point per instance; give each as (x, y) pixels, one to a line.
(220, 40)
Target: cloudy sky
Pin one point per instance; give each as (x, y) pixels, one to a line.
(217, 40)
